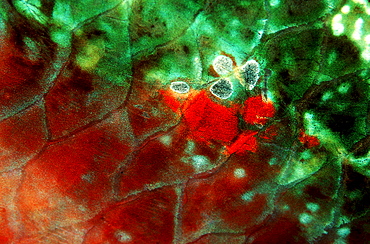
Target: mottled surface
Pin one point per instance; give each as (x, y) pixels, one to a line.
(188, 121)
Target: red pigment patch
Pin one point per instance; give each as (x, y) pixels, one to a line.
(257, 111)
(149, 111)
(308, 141)
(6, 234)
(170, 101)
(147, 219)
(270, 133)
(208, 120)
(245, 142)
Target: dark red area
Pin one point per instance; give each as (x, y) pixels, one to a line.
(281, 230)
(308, 141)
(258, 111)
(146, 219)
(246, 141)
(20, 78)
(79, 98)
(210, 121)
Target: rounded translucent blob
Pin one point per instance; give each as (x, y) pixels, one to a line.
(223, 89)
(222, 65)
(180, 87)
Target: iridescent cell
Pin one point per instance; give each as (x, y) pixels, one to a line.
(223, 89)
(249, 73)
(180, 87)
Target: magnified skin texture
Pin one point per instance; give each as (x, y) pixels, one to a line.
(197, 121)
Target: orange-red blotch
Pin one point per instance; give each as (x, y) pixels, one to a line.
(208, 120)
(308, 141)
(258, 111)
(170, 100)
(245, 142)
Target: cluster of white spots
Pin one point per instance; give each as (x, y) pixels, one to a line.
(239, 173)
(180, 87)
(248, 196)
(336, 25)
(345, 9)
(313, 207)
(222, 65)
(122, 236)
(223, 88)
(249, 73)
(356, 35)
(305, 218)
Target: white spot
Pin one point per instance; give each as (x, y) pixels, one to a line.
(200, 162)
(343, 232)
(122, 236)
(313, 207)
(343, 88)
(239, 173)
(248, 196)
(180, 87)
(198, 68)
(327, 96)
(305, 218)
(360, 1)
(366, 54)
(358, 26)
(166, 140)
(274, 3)
(336, 25)
(190, 146)
(345, 9)
(222, 65)
(367, 39)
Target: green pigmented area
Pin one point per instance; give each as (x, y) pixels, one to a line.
(294, 69)
(104, 47)
(248, 196)
(300, 167)
(352, 21)
(305, 218)
(154, 23)
(61, 37)
(71, 15)
(287, 13)
(313, 207)
(344, 115)
(31, 9)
